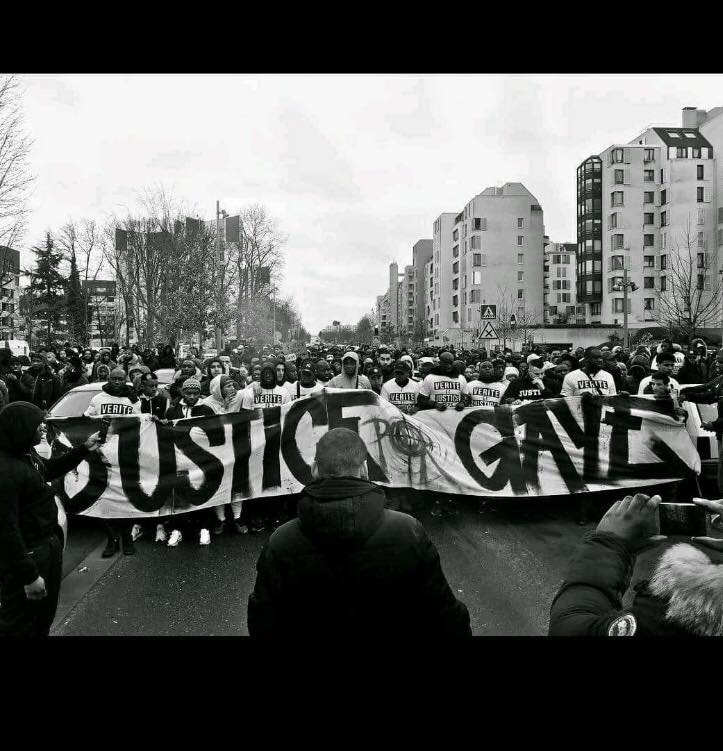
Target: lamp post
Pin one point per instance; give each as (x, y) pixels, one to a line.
(623, 287)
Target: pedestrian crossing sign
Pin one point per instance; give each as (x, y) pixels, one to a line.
(488, 332)
(489, 312)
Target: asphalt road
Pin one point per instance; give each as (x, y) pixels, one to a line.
(504, 561)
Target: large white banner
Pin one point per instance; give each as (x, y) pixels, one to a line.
(553, 447)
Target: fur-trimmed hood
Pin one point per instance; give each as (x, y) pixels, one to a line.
(691, 585)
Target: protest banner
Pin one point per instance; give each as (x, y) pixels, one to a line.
(542, 448)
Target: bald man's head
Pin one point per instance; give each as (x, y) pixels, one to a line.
(340, 453)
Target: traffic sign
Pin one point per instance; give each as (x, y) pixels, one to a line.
(488, 332)
(489, 312)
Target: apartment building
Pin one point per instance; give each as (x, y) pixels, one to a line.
(492, 252)
(560, 285)
(407, 301)
(645, 211)
(9, 293)
(421, 256)
(103, 314)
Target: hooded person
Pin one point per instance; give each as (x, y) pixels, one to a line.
(329, 572)
(442, 388)
(485, 390)
(529, 386)
(676, 587)
(267, 393)
(188, 369)
(409, 359)
(40, 383)
(349, 378)
(74, 375)
(223, 397)
(213, 368)
(102, 373)
(116, 399)
(31, 545)
(401, 391)
(510, 373)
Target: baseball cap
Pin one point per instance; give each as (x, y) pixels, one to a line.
(532, 358)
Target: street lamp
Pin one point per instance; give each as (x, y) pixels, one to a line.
(623, 287)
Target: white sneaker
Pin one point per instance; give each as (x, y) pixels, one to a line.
(205, 537)
(161, 535)
(136, 532)
(176, 537)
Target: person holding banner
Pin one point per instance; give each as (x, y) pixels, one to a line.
(401, 391)
(442, 388)
(485, 390)
(348, 567)
(590, 378)
(31, 549)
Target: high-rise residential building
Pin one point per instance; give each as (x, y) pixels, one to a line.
(102, 311)
(429, 296)
(649, 210)
(560, 290)
(407, 301)
(492, 252)
(421, 256)
(9, 293)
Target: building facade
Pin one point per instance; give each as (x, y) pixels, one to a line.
(648, 211)
(103, 312)
(421, 256)
(10, 322)
(560, 285)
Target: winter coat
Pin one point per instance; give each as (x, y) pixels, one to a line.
(28, 513)
(215, 400)
(44, 389)
(176, 410)
(71, 379)
(525, 389)
(343, 381)
(683, 596)
(155, 405)
(167, 359)
(346, 567)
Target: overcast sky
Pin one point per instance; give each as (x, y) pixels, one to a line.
(355, 168)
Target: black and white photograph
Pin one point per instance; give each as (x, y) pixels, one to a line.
(361, 355)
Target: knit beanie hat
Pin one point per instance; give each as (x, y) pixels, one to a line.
(191, 383)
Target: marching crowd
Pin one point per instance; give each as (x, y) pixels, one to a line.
(430, 378)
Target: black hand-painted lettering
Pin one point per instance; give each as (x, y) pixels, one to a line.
(211, 466)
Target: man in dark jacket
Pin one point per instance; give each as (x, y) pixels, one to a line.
(31, 551)
(679, 593)
(346, 566)
(73, 376)
(41, 383)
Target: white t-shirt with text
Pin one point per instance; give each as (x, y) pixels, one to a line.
(443, 389)
(265, 398)
(403, 397)
(485, 394)
(112, 406)
(297, 391)
(579, 382)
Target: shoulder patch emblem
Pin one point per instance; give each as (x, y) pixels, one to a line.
(625, 625)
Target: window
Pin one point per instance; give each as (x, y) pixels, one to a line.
(476, 259)
(662, 175)
(689, 135)
(616, 156)
(617, 262)
(455, 267)
(476, 242)
(648, 217)
(520, 276)
(648, 241)
(681, 152)
(455, 300)
(464, 229)
(520, 258)
(520, 222)
(455, 251)
(480, 224)
(663, 218)
(649, 175)
(619, 177)
(701, 239)
(701, 281)
(696, 152)
(455, 317)
(701, 260)
(663, 263)
(520, 294)
(648, 282)
(649, 196)
(613, 220)
(616, 198)
(618, 242)
(475, 295)
(649, 155)
(701, 216)
(594, 308)
(700, 172)
(617, 305)
(649, 303)
(671, 134)
(455, 283)
(520, 239)
(476, 277)
(700, 194)
(649, 262)
(455, 235)
(663, 284)
(663, 197)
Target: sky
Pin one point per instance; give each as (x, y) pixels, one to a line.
(354, 168)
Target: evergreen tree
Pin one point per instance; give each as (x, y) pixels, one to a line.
(76, 305)
(47, 286)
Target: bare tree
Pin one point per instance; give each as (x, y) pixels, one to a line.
(692, 297)
(15, 176)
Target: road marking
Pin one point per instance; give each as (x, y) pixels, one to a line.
(76, 585)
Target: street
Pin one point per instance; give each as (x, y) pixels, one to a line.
(504, 561)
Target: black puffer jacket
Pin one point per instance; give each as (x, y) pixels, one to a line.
(349, 568)
(28, 513)
(680, 595)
